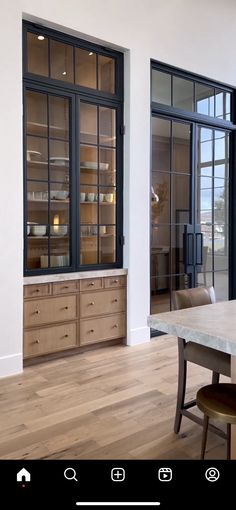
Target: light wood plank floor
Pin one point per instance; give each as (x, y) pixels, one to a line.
(112, 403)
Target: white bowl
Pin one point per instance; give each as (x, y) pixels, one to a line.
(59, 194)
(94, 165)
(61, 161)
(38, 230)
(58, 230)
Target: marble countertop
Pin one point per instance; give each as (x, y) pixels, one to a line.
(48, 278)
(211, 325)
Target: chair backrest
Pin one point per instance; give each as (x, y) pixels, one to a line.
(188, 298)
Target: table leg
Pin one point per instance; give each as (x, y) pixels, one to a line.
(233, 427)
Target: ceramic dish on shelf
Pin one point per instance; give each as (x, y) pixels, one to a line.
(33, 155)
(58, 230)
(59, 194)
(55, 260)
(59, 160)
(94, 165)
(38, 230)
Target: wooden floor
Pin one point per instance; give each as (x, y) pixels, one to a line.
(112, 403)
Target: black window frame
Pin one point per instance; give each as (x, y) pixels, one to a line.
(77, 93)
(160, 109)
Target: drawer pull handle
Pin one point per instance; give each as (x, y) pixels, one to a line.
(115, 300)
(65, 287)
(91, 330)
(115, 281)
(36, 290)
(66, 308)
(92, 283)
(37, 341)
(92, 303)
(115, 326)
(37, 312)
(66, 335)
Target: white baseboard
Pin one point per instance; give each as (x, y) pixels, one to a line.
(138, 336)
(11, 365)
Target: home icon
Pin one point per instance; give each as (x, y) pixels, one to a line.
(23, 476)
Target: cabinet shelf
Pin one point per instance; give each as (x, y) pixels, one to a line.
(95, 203)
(95, 170)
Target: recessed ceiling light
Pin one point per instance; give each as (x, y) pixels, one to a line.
(91, 53)
(41, 37)
(64, 73)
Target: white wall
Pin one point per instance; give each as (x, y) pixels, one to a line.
(196, 36)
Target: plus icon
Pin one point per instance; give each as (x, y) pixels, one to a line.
(118, 474)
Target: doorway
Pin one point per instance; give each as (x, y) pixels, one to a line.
(189, 209)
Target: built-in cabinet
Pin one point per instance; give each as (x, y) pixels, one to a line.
(72, 154)
(66, 315)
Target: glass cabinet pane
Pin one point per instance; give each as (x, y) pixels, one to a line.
(97, 185)
(37, 54)
(48, 192)
(61, 58)
(86, 68)
(106, 74)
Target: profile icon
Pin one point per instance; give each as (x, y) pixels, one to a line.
(212, 474)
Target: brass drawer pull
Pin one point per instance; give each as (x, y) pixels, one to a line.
(65, 287)
(36, 290)
(92, 303)
(66, 335)
(92, 283)
(37, 341)
(115, 300)
(115, 326)
(37, 312)
(115, 281)
(66, 308)
(91, 330)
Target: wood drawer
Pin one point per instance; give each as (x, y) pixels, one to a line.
(115, 281)
(46, 340)
(101, 329)
(91, 284)
(102, 302)
(50, 310)
(34, 291)
(64, 287)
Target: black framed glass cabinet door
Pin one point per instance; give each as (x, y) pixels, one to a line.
(171, 211)
(48, 180)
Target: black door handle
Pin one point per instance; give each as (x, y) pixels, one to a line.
(199, 249)
(188, 247)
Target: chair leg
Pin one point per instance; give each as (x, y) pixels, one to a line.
(204, 435)
(215, 378)
(181, 394)
(228, 441)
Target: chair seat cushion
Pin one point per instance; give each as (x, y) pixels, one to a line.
(207, 357)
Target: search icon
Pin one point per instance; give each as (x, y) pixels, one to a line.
(70, 474)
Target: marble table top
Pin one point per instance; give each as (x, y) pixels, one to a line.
(211, 325)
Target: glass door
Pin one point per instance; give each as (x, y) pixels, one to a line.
(98, 184)
(48, 172)
(171, 211)
(212, 209)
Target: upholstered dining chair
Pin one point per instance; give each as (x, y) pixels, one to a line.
(216, 361)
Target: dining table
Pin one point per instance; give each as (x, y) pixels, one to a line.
(212, 325)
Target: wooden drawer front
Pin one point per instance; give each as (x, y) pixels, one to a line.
(34, 291)
(45, 340)
(102, 303)
(115, 281)
(64, 287)
(101, 329)
(45, 311)
(91, 284)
